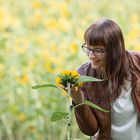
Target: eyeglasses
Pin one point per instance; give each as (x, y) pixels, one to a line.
(96, 52)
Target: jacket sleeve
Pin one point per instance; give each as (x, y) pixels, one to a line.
(86, 120)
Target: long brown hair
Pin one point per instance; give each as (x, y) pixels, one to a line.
(107, 33)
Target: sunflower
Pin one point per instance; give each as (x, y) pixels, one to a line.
(67, 77)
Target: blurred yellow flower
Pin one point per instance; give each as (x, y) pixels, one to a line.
(5, 18)
(80, 34)
(2, 69)
(54, 4)
(24, 79)
(51, 23)
(32, 128)
(41, 40)
(137, 47)
(36, 19)
(74, 48)
(49, 66)
(64, 24)
(133, 34)
(16, 23)
(134, 18)
(64, 9)
(32, 64)
(45, 54)
(20, 50)
(37, 4)
(22, 117)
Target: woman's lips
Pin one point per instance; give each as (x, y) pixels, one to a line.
(95, 62)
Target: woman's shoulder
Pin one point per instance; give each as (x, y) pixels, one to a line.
(83, 68)
(134, 53)
(134, 57)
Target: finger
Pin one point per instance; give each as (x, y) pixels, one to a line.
(75, 89)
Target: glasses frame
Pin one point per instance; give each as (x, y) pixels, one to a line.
(93, 51)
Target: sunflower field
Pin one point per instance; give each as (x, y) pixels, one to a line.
(38, 39)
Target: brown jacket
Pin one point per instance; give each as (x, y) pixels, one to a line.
(93, 122)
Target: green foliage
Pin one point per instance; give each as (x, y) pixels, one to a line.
(92, 105)
(56, 116)
(44, 85)
(84, 78)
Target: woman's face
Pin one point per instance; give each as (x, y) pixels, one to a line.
(97, 56)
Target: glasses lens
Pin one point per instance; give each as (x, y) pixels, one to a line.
(85, 49)
(98, 53)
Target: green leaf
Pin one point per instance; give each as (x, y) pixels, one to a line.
(44, 85)
(84, 78)
(94, 106)
(56, 116)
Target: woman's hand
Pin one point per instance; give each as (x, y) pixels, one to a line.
(77, 95)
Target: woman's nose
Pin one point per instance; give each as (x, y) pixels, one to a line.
(91, 54)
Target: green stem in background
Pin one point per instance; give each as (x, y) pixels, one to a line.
(69, 119)
(8, 129)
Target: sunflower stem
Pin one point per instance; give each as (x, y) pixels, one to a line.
(69, 119)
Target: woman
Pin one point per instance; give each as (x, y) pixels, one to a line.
(119, 92)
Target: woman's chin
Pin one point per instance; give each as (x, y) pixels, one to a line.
(95, 66)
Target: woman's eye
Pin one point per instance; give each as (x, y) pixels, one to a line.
(98, 50)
